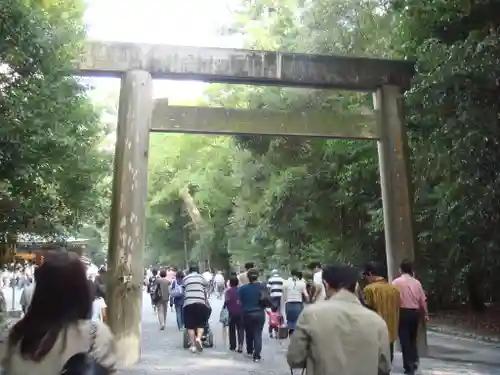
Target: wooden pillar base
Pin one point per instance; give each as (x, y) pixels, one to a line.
(127, 329)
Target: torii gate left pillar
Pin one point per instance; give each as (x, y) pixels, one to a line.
(128, 207)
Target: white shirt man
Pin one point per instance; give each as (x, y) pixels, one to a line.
(318, 283)
(92, 272)
(27, 296)
(219, 278)
(98, 309)
(29, 272)
(207, 275)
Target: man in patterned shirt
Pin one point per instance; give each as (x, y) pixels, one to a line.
(383, 298)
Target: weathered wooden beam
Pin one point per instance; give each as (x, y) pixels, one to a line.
(128, 208)
(243, 66)
(395, 178)
(395, 183)
(204, 120)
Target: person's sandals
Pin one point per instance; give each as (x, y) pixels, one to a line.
(199, 345)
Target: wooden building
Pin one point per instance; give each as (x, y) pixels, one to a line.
(35, 250)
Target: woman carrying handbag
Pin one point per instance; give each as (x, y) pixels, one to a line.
(294, 294)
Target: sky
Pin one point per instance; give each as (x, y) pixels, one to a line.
(177, 22)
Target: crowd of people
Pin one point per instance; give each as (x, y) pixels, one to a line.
(18, 274)
(332, 332)
(328, 320)
(63, 327)
(335, 309)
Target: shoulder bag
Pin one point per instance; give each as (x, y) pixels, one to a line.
(265, 298)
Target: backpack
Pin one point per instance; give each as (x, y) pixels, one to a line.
(177, 289)
(156, 294)
(151, 284)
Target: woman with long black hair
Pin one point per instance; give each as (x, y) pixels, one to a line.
(57, 329)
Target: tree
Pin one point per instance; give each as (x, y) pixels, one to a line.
(453, 121)
(50, 163)
(282, 202)
(292, 200)
(183, 167)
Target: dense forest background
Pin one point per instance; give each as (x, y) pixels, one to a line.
(284, 202)
(281, 202)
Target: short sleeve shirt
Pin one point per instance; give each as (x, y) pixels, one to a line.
(318, 281)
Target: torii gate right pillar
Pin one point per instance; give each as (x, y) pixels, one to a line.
(395, 180)
(395, 184)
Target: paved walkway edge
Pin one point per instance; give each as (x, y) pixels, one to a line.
(457, 332)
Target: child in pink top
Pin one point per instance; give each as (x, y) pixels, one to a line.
(275, 321)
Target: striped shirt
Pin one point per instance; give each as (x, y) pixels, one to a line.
(195, 287)
(275, 285)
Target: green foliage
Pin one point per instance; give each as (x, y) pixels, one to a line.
(287, 201)
(50, 162)
(453, 122)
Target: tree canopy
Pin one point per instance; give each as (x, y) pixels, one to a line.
(51, 166)
(286, 201)
(279, 201)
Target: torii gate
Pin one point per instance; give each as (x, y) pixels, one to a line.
(138, 64)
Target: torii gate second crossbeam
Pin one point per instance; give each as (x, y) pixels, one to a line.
(138, 64)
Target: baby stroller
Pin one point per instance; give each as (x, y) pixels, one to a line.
(208, 336)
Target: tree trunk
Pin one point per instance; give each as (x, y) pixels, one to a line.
(475, 289)
(196, 218)
(125, 274)
(191, 208)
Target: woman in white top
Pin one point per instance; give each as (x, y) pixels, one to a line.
(56, 327)
(98, 305)
(292, 299)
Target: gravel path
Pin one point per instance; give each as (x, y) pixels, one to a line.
(162, 353)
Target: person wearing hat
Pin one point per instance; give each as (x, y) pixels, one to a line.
(383, 298)
(275, 286)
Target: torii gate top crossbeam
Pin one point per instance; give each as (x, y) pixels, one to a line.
(243, 66)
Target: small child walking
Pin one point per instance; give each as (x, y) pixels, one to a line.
(275, 321)
(224, 320)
